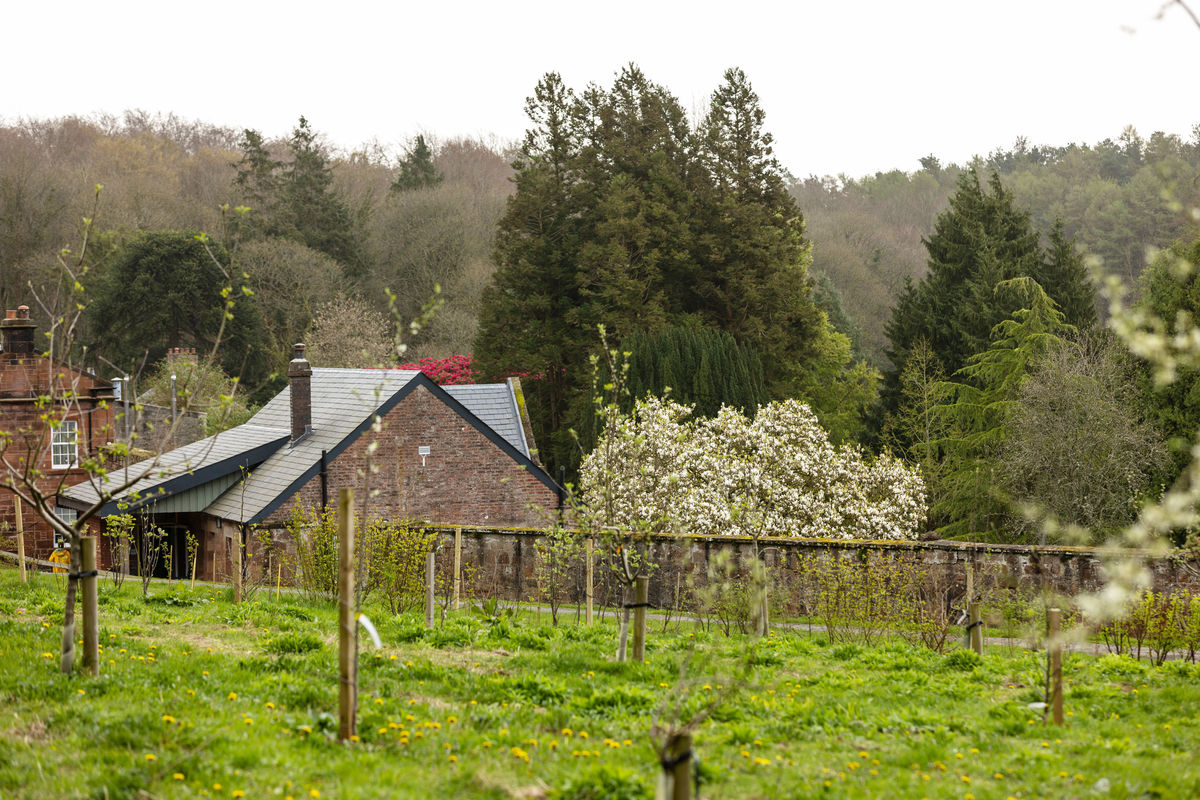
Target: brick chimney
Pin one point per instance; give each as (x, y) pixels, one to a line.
(176, 355)
(300, 377)
(16, 333)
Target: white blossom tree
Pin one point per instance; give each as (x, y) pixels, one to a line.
(775, 475)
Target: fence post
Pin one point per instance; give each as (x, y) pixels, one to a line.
(589, 591)
(640, 595)
(347, 663)
(430, 566)
(457, 568)
(1054, 619)
(20, 538)
(91, 631)
(976, 627)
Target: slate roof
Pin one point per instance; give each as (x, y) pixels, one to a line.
(180, 469)
(496, 407)
(344, 402)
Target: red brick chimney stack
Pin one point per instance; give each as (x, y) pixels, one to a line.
(16, 333)
(300, 376)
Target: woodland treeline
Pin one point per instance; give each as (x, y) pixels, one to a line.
(945, 313)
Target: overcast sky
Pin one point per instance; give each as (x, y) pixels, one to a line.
(849, 87)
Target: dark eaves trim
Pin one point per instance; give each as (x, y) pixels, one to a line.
(188, 480)
(421, 379)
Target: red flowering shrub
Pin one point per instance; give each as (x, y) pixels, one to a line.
(448, 371)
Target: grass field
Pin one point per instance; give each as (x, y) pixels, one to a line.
(201, 698)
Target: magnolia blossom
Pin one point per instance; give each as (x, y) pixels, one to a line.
(775, 475)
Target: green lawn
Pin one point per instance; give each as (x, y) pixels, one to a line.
(201, 698)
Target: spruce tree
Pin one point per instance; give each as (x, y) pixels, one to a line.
(981, 240)
(417, 170)
(1065, 278)
(317, 215)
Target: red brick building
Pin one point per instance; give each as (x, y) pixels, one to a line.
(453, 455)
(48, 439)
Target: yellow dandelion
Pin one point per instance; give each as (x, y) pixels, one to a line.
(233, 695)
(167, 718)
(151, 757)
(178, 776)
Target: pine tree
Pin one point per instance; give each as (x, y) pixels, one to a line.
(417, 170)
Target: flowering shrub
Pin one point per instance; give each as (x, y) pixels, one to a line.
(777, 475)
(448, 371)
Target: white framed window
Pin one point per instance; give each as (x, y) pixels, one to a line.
(64, 445)
(67, 515)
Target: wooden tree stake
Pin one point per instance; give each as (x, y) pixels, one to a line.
(237, 567)
(640, 595)
(676, 780)
(278, 578)
(91, 624)
(589, 589)
(347, 663)
(1054, 619)
(976, 627)
(195, 561)
(430, 566)
(457, 568)
(20, 538)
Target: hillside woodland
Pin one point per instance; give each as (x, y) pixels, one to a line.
(945, 314)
